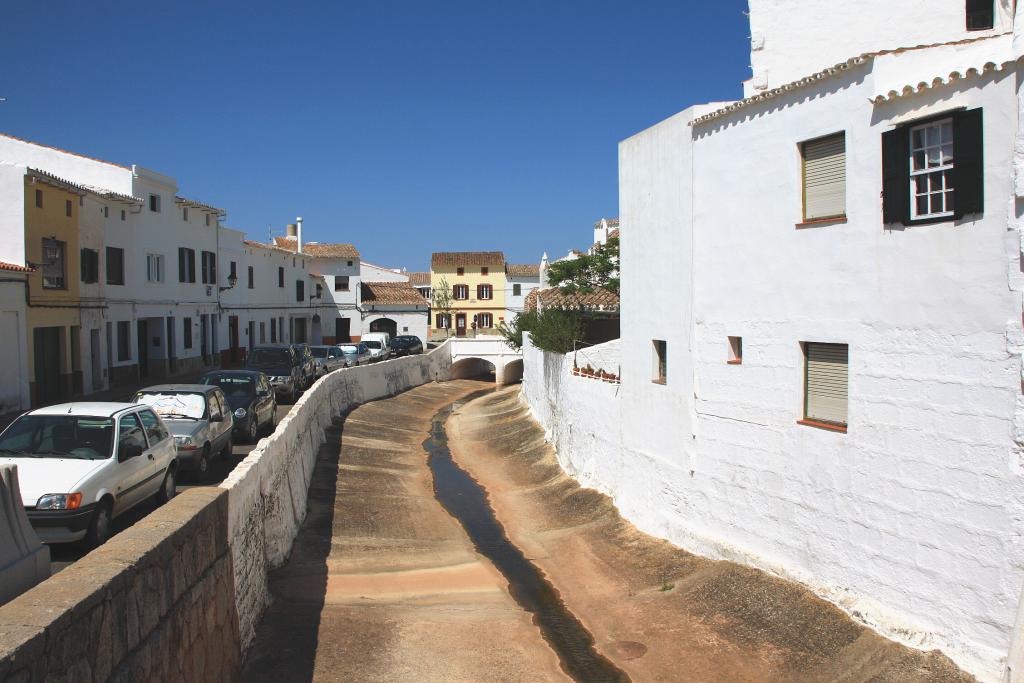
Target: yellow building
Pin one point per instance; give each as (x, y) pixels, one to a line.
(475, 281)
(53, 318)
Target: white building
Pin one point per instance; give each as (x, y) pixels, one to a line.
(821, 363)
(395, 307)
(520, 280)
(340, 267)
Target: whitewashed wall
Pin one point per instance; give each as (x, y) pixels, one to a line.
(791, 39)
(909, 521)
(268, 489)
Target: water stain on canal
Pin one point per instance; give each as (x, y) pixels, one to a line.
(467, 501)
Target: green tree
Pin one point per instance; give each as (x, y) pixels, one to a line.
(513, 333)
(589, 271)
(441, 301)
(551, 330)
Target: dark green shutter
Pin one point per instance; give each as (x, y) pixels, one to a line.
(896, 176)
(968, 164)
(182, 273)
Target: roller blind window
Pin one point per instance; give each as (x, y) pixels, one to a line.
(824, 176)
(826, 383)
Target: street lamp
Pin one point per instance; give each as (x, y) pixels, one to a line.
(232, 281)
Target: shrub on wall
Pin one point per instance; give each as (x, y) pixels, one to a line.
(552, 330)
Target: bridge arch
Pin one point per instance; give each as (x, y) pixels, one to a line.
(512, 373)
(473, 368)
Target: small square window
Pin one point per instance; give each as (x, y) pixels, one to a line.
(460, 271)
(483, 270)
(735, 350)
(980, 15)
(660, 362)
(154, 203)
(350, 263)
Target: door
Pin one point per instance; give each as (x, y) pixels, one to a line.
(142, 341)
(133, 471)
(94, 358)
(342, 330)
(160, 454)
(172, 357)
(233, 337)
(47, 365)
(252, 334)
(204, 348)
(460, 324)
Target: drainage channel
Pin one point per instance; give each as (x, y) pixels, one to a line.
(466, 500)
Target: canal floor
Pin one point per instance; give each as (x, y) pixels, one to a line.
(442, 547)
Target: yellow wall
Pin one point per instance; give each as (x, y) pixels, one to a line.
(472, 277)
(52, 221)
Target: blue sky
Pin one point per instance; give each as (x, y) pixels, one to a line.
(405, 127)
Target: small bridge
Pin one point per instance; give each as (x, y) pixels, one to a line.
(475, 356)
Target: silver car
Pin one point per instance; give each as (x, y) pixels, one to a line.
(198, 417)
(355, 354)
(327, 358)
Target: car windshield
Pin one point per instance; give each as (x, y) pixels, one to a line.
(349, 349)
(373, 344)
(319, 352)
(174, 405)
(269, 358)
(234, 386)
(58, 436)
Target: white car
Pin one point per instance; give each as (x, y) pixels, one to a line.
(80, 465)
(379, 344)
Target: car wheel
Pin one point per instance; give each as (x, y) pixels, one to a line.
(168, 488)
(203, 466)
(99, 527)
(253, 428)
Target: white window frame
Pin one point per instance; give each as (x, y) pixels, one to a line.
(460, 288)
(489, 318)
(54, 270)
(154, 267)
(943, 170)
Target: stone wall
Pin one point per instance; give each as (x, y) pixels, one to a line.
(269, 488)
(153, 604)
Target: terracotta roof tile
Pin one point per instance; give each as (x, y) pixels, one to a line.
(319, 249)
(199, 205)
(613, 233)
(467, 258)
(523, 270)
(598, 300)
(421, 279)
(390, 293)
(271, 247)
(15, 267)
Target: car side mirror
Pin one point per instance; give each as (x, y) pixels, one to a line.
(130, 450)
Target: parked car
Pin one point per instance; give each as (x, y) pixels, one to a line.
(327, 359)
(308, 364)
(250, 399)
(355, 354)
(80, 465)
(379, 345)
(198, 417)
(406, 345)
(281, 366)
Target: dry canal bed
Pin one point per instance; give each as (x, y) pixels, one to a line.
(470, 556)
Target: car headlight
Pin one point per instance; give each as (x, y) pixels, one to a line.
(59, 501)
(240, 413)
(184, 442)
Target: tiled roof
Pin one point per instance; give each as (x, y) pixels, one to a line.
(611, 222)
(271, 247)
(467, 258)
(421, 279)
(58, 149)
(390, 293)
(597, 300)
(199, 205)
(822, 75)
(15, 267)
(523, 270)
(64, 183)
(613, 233)
(319, 249)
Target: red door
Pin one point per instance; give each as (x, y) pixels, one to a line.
(460, 324)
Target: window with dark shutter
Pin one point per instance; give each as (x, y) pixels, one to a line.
(300, 290)
(115, 266)
(980, 15)
(826, 379)
(182, 270)
(933, 170)
(90, 266)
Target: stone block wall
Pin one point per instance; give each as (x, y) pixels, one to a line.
(153, 604)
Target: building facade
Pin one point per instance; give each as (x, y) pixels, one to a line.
(520, 280)
(476, 282)
(829, 385)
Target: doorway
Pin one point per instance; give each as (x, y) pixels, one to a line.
(384, 325)
(172, 358)
(46, 341)
(94, 358)
(204, 336)
(342, 330)
(142, 341)
(460, 324)
(233, 337)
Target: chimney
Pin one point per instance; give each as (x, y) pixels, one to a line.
(298, 234)
(290, 230)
